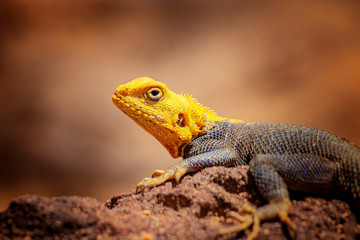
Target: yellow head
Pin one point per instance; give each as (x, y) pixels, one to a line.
(173, 119)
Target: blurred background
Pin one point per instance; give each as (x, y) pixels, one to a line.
(60, 61)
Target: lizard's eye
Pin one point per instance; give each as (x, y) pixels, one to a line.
(154, 94)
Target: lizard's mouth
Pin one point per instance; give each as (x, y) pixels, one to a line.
(130, 107)
(146, 116)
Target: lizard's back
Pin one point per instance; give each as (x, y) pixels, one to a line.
(308, 159)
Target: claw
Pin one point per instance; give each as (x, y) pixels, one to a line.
(159, 177)
(141, 185)
(148, 182)
(248, 209)
(270, 211)
(236, 216)
(285, 219)
(179, 173)
(139, 189)
(245, 222)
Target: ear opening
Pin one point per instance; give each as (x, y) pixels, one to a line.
(181, 122)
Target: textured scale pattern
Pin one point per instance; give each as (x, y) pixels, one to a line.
(307, 159)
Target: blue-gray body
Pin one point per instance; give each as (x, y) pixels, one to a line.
(280, 156)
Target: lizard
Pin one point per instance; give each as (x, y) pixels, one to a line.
(280, 156)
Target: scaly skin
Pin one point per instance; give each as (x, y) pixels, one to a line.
(280, 156)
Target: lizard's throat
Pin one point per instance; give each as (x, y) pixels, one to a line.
(168, 138)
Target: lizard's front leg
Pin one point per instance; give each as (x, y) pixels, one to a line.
(160, 176)
(218, 157)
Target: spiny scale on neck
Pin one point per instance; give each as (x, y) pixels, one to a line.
(204, 117)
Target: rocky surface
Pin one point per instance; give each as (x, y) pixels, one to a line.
(192, 209)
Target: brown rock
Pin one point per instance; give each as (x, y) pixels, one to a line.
(192, 209)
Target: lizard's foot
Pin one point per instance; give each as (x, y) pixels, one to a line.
(159, 177)
(269, 211)
(246, 222)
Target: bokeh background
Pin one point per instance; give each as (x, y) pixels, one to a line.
(60, 61)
